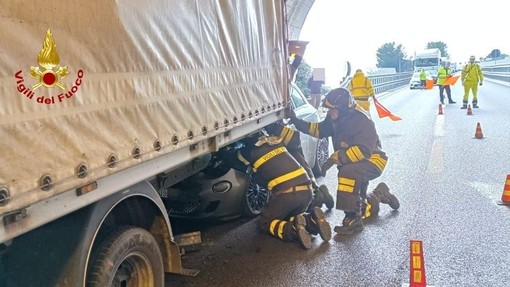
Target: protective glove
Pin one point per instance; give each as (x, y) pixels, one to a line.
(290, 114)
(481, 83)
(327, 165)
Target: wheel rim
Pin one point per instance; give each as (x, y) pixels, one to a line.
(322, 151)
(256, 197)
(134, 270)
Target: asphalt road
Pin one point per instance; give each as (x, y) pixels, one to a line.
(448, 183)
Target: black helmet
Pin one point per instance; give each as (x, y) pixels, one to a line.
(339, 99)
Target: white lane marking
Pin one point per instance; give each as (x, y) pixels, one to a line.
(436, 165)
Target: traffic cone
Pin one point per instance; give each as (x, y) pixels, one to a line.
(469, 110)
(417, 269)
(478, 133)
(440, 109)
(505, 198)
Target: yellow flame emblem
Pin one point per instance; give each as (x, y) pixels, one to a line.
(48, 59)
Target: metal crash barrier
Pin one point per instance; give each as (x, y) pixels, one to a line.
(385, 82)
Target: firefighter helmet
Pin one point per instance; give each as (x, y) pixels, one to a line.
(339, 99)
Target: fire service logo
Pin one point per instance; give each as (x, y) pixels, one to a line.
(49, 76)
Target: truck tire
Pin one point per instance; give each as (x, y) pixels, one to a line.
(129, 256)
(321, 155)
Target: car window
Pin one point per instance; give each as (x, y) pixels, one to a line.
(297, 98)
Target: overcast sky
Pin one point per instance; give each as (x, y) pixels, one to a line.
(354, 30)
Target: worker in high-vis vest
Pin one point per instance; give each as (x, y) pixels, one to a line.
(361, 89)
(443, 73)
(471, 76)
(284, 216)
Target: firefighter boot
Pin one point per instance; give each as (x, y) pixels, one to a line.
(383, 194)
(352, 223)
(326, 196)
(300, 232)
(321, 196)
(316, 224)
(370, 207)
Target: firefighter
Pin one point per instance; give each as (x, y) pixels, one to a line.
(292, 142)
(357, 154)
(361, 89)
(290, 186)
(471, 76)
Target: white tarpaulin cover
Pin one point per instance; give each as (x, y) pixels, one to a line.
(83, 80)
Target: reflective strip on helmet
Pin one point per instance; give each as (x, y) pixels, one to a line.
(378, 161)
(327, 104)
(267, 157)
(346, 184)
(287, 134)
(286, 177)
(313, 130)
(354, 154)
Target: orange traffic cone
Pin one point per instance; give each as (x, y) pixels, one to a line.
(417, 269)
(469, 110)
(478, 133)
(440, 109)
(505, 198)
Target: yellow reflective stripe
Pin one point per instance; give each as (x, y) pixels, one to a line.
(354, 154)
(287, 134)
(346, 184)
(280, 229)
(314, 129)
(378, 161)
(267, 157)
(286, 177)
(273, 225)
(241, 158)
(367, 211)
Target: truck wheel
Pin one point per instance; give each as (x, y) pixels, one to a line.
(321, 155)
(129, 256)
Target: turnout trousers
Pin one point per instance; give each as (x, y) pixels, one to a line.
(276, 217)
(353, 181)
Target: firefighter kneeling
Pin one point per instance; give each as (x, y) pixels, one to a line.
(358, 156)
(284, 215)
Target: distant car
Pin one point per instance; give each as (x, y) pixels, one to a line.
(415, 82)
(223, 193)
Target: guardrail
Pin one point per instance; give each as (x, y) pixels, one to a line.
(497, 70)
(386, 82)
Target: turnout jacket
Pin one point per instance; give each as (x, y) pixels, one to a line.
(292, 141)
(273, 166)
(353, 135)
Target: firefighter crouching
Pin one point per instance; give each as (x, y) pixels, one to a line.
(292, 141)
(358, 156)
(284, 215)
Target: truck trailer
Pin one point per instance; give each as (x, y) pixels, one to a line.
(104, 104)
